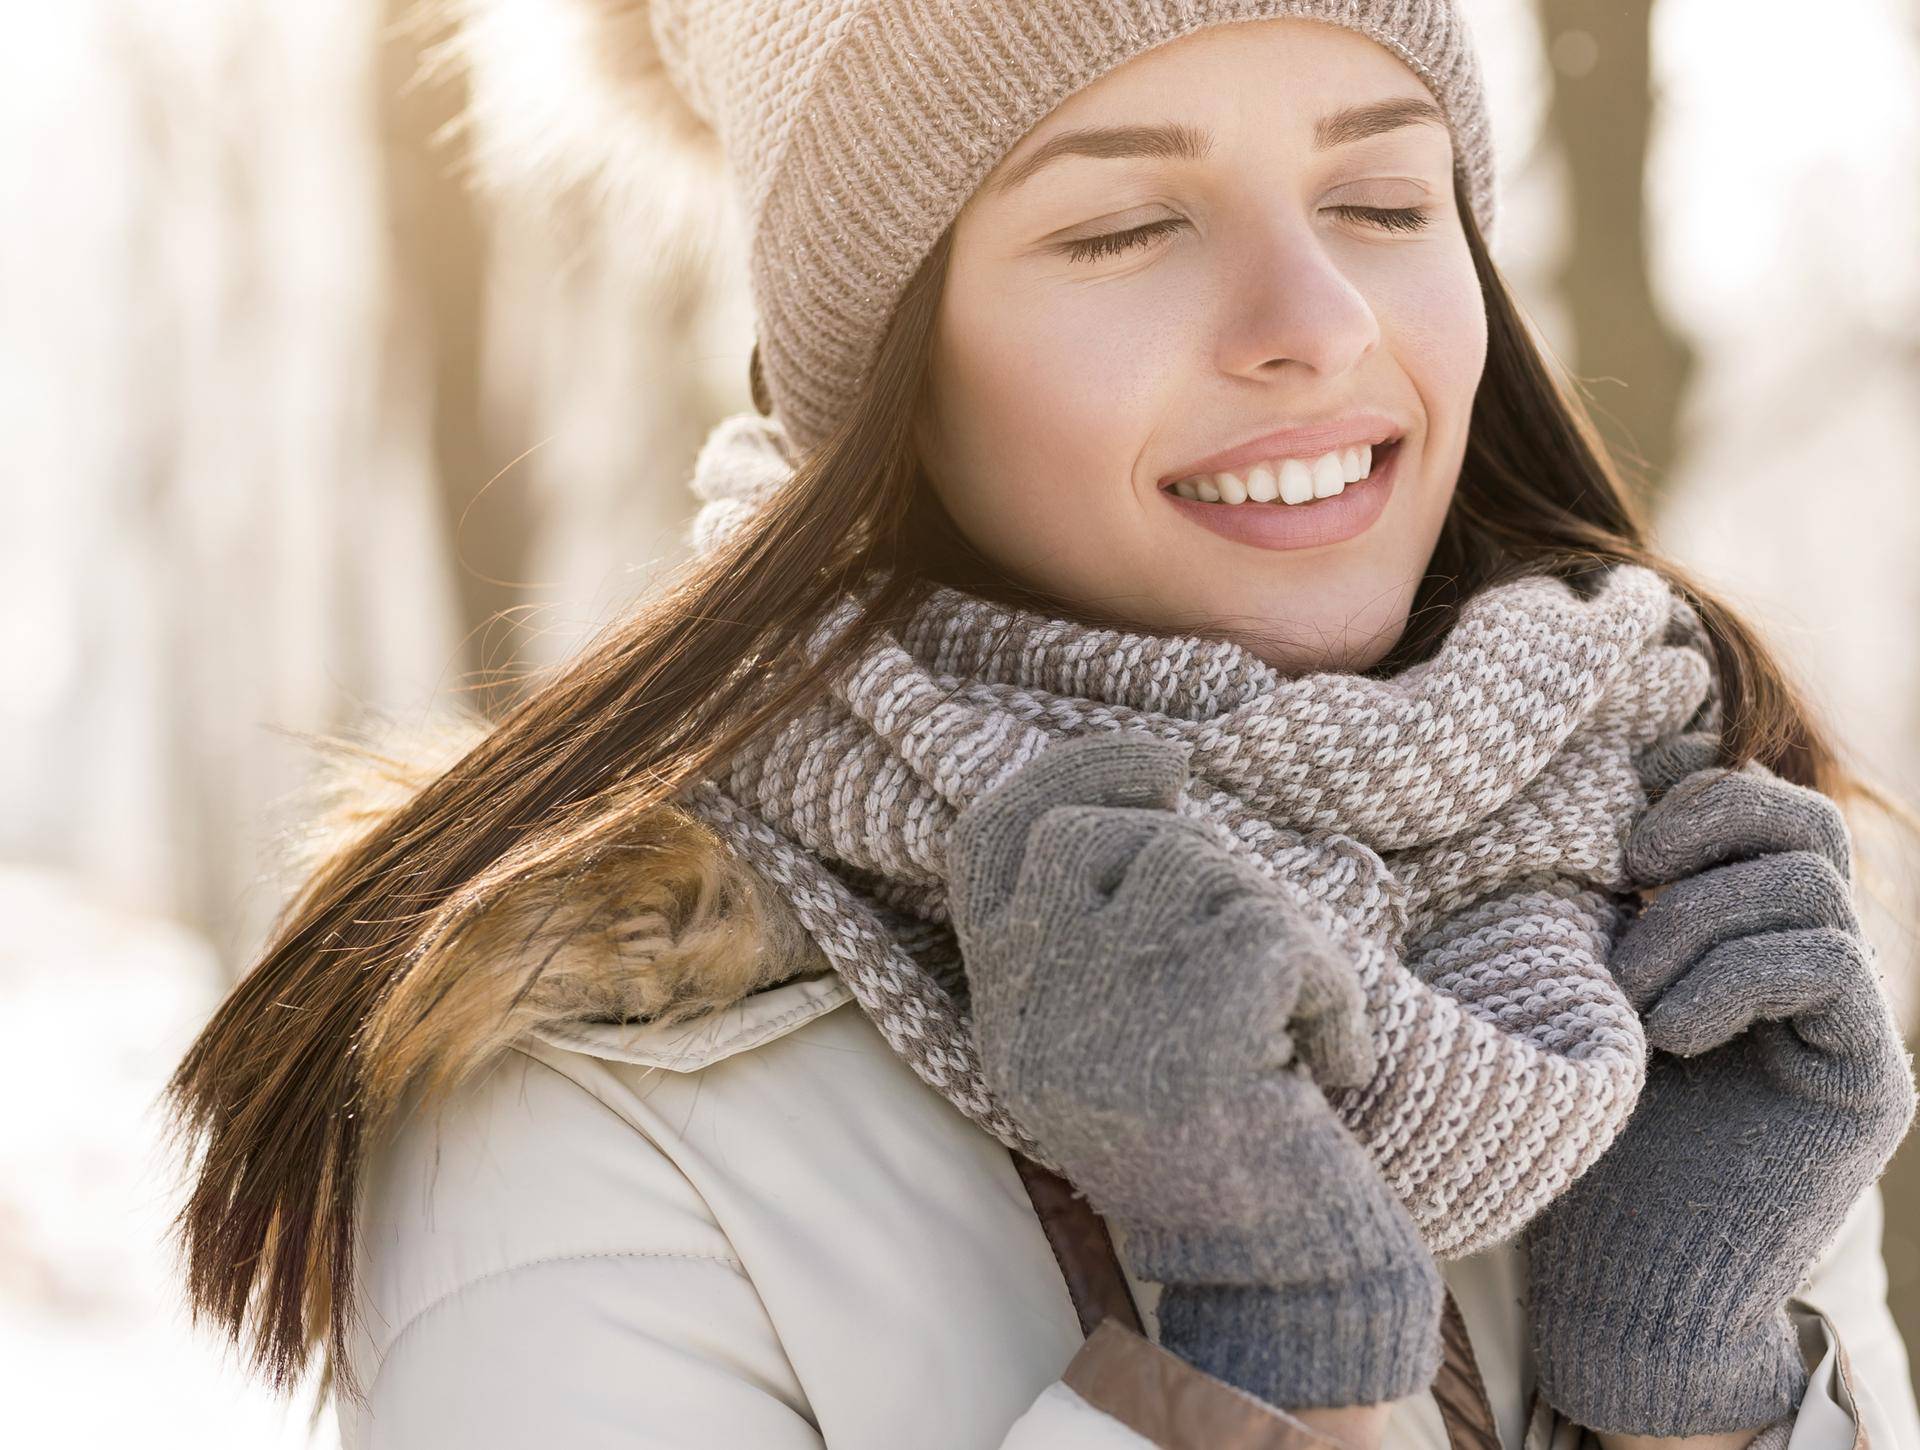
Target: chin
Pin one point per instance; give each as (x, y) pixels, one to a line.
(1348, 627)
(1317, 660)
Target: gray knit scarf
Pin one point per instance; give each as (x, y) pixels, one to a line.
(1457, 827)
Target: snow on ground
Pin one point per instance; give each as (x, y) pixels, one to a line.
(96, 1005)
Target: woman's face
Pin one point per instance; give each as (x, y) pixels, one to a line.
(1308, 273)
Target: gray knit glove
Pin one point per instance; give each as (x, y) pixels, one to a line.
(1776, 1092)
(1150, 1008)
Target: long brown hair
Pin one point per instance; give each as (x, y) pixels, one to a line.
(277, 1088)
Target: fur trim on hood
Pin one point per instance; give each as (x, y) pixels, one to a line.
(669, 926)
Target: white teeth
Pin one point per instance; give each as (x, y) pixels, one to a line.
(1290, 480)
(1328, 478)
(1296, 482)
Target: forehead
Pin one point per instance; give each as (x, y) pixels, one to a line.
(1321, 79)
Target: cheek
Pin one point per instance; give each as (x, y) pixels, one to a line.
(1438, 326)
(1045, 399)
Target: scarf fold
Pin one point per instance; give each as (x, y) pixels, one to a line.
(1456, 827)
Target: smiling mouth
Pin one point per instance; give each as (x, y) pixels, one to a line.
(1289, 483)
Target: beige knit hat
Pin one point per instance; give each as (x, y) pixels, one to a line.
(851, 132)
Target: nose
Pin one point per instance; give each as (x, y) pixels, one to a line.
(1292, 306)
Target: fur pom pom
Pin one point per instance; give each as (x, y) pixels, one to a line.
(571, 110)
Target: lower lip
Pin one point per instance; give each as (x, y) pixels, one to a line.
(1279, 525)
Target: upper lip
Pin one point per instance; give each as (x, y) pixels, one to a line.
(1306, 442)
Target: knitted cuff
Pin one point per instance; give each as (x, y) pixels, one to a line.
(1360, 1342)
(1700, 1378)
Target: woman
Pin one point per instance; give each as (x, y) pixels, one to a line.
(1348, 946)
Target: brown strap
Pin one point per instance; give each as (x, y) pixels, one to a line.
(1174, 1405)
(1459, 1389)
(1084, 1250)
(1082, 1247)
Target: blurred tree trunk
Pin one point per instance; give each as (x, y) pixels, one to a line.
(1600, 116)
(440, 276)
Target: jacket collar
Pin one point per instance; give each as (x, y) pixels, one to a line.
(688, 1046)
(669, 951)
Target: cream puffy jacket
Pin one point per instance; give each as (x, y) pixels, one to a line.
(760, 1228)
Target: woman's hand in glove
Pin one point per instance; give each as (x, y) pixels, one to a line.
(1152, 1009)
(1776, 1092)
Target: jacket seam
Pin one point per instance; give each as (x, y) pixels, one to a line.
(464, 1285)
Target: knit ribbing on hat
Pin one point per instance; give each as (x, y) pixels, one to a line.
(1456, 828)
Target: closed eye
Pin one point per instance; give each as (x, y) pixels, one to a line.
(1392, 219)
(1088, 248)
(1389, 218)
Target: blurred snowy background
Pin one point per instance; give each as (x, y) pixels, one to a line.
(298, 423)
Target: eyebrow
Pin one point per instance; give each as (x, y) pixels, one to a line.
(1178, 141)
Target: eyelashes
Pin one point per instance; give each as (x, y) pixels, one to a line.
(1390, 218)
(1386, 218)
(1088, 248)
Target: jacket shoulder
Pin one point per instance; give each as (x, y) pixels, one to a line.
(517, 1199)
(520, 1165)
